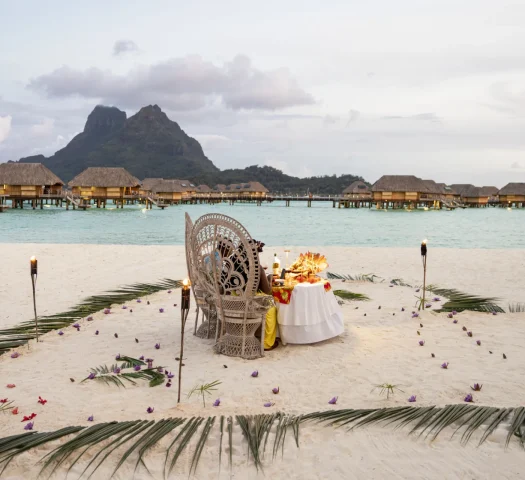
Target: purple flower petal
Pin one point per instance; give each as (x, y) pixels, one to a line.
(255, 373)
(117, 357)
(477, 387)
(136, 368)
(61, 333)
(454, 312)
(494, 313)
(76, 325)
(436, 299)
(150, 409)
(469, 398)
(168, 383)
(444, 365)
(117, 370)
(217, 402)
(139, 301)
(421, 342)
(141, 357)
(89, 319)
(169, 375)
(478, 342)
(412, 398)
(107, 311)
(469, 334)
(269, 404)
(157, 346)
(415, 315)
(275, 390)
(169, 291)
(92, 375)
(455, 320)
(15, 355)
(450, 315)
(90, 418)
(160, 370)
(333, 400)
(161, 310)
(124, 307)
(96, 333)
(29, 426)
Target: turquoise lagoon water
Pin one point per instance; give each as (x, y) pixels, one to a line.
(274, 224)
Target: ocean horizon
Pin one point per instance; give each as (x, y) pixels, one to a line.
(275, 224)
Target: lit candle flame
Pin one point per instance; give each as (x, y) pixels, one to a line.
(424, 242)
(186, 282)
(33, 259)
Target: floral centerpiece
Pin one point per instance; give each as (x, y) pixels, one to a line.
(308, 264)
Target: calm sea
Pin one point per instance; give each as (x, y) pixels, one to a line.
(274, 224)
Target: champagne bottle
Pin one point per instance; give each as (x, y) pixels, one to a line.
(276, 267)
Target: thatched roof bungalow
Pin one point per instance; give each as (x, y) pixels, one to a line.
(512, 193)
(169, 190)
(477, 195)
(105, 182)
(28, 180)
(358, 190)
(203, 191)
(400, 189)
(246, 190)
(459, 188)
(447, 192)
(148, 184)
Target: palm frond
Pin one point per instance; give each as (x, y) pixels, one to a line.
(347, 295)
(204, 388)
(400, 282)
(97, 443)
(19, 335)
(359, 277)
(516, 307)
(4, 407)
(460, 301)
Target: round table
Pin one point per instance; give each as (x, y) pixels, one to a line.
(313, 315)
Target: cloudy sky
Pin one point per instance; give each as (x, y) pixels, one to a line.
(432, 88)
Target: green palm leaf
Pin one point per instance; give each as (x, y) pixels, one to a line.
(346, 295)
(460, 301)
(19, 335)
(360, 277)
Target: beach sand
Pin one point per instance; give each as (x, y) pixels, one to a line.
(377, 348)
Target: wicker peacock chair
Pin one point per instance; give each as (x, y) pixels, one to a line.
(227, 264)
(203, 300)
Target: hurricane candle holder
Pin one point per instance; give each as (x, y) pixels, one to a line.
(184, 311)
(424, 260)
(34, 272)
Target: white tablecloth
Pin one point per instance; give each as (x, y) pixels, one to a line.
(313, 315)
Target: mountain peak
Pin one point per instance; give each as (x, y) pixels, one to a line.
(153, 112)
(104, 120)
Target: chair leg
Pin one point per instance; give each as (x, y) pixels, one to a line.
(196, 321)
(263, 331)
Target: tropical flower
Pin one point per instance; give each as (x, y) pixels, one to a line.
(96, 333)
(29, 426)
(255, 373)
(124, 307)
(150, 409)
(477, 387)
(169, 375)
(450, 315)
(141, 357)
(117, 357)
(169, 291)
(428, 305)
(444, 365)
(478, 342)
(161, 310)
(61, 332)
(168, 383)
(157, 346)
(217, 402)
(90, 418)
(149, 361)
(41, 401)
(494, 313)
(160, 370)
(89, 319)
(136, 368)
(29, 417)
(139, 300)
(15, 355)
(415, 315)
(11, 385)
(455, 320)
(15, 411)
(469, 398)
(469, 334)
(269, 404)
(275, 390)
(436, 299)
(421, 342)
(116, 371)
(412, 398)
(3, 400)
(76, 325)
(333, 400)
(454, 312)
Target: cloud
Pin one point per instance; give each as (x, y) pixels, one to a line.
(186, 84)
(330, 119)
(425, 117)
(122, 47)
(516, 165)
(212, 141)
(43, 128)
(5, 127)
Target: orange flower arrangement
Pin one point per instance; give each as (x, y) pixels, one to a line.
(309, 263)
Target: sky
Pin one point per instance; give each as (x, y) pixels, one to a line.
(430, 88)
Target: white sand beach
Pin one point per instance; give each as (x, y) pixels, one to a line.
(381, 346)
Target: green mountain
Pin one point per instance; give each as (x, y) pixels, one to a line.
(149, 144)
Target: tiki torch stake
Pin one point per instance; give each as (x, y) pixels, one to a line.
(34, 273)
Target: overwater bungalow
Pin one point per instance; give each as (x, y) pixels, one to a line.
(248, 190)
(169, 191)
(398, 191)
(22, 182)
(448, 193)
(459, 188)
(103, 183)
(477, 196)
(147, 185)
(203, 191)
(512, 194)
(357, 190)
